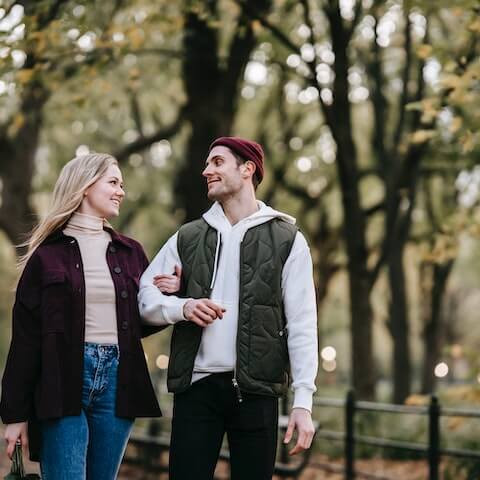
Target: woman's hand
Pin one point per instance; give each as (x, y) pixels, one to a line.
(14, 432)
(169, 283)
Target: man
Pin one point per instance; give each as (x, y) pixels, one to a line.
(245, 312)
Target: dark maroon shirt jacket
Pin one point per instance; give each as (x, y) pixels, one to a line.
(44, 370)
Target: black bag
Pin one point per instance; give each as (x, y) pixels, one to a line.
(17, 471)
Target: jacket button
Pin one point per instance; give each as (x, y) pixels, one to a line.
(124, 294)
(112, 249)
(280, 333)
(77, 265)
(117, 270)
(124, 325)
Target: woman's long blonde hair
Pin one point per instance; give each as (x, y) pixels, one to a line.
(74, 179)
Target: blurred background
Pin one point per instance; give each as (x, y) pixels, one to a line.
(368, 111)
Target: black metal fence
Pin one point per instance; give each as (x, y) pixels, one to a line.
(149, 446)
(432, 450)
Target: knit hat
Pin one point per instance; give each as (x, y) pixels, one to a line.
(246, 149)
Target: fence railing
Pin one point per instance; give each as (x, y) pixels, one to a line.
(432, 450)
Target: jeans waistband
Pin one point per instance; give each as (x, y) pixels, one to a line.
(102, 349)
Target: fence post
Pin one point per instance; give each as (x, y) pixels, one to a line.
(433, 438)
(350, 436)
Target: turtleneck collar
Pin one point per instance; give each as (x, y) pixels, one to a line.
(81, 222)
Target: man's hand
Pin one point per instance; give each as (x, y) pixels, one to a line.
(300, 420)
(169, 283)
(202, 311)
(14, 432)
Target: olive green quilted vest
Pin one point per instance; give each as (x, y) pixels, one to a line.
(262, 355)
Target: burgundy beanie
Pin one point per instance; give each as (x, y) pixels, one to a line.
(246, 149)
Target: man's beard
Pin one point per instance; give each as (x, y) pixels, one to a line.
(224, 193)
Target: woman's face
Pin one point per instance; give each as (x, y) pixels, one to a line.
(103, 198)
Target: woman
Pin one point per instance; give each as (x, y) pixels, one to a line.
(76, 370)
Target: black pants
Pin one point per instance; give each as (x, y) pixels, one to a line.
(203, 414)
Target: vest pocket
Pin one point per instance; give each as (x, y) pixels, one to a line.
(268, 354)
(183, 348)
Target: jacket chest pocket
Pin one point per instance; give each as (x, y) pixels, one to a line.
(56, 301)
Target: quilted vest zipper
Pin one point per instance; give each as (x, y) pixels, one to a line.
(235, 384)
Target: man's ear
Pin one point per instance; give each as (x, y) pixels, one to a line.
(249, 169)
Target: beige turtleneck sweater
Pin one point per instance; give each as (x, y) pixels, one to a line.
(100, 311)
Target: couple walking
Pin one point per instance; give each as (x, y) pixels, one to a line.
(242, 306)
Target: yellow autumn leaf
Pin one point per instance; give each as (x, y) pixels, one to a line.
(451, 81)
(417, 400)
(454, 423)
(421, 136)
(430, 110)
(25, 75)
(78, 99)
(467, 142)
(424, 51)
(134, 73)
(39, 41)
(136, 37)
(475, 26)
(16, 125)
(257, 27)
(456, 124)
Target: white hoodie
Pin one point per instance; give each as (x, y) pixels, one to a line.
(217, 352)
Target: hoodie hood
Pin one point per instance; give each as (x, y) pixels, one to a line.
(216, 218)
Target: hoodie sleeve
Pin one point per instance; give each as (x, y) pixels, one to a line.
(155, 307)
(301, 312)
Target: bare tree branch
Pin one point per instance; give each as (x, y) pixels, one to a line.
(136, 113)
(403, 101)
(379, 104)
(378, 207)
(312, 65)
(144, 142)
(253, 14)
(358, 12)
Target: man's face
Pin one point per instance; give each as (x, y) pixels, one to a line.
(223, 174)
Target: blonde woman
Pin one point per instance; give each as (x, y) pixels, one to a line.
(76, 373)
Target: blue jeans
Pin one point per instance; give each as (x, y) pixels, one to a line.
(89, 446)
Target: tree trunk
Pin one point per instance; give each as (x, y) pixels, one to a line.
(398, 325)
(19, 138)
(18, 148)
(212, 92)
(434, 281)
(363, 368)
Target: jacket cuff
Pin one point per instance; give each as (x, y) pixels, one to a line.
(10, 416)
(174, 313)
(303, 398)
